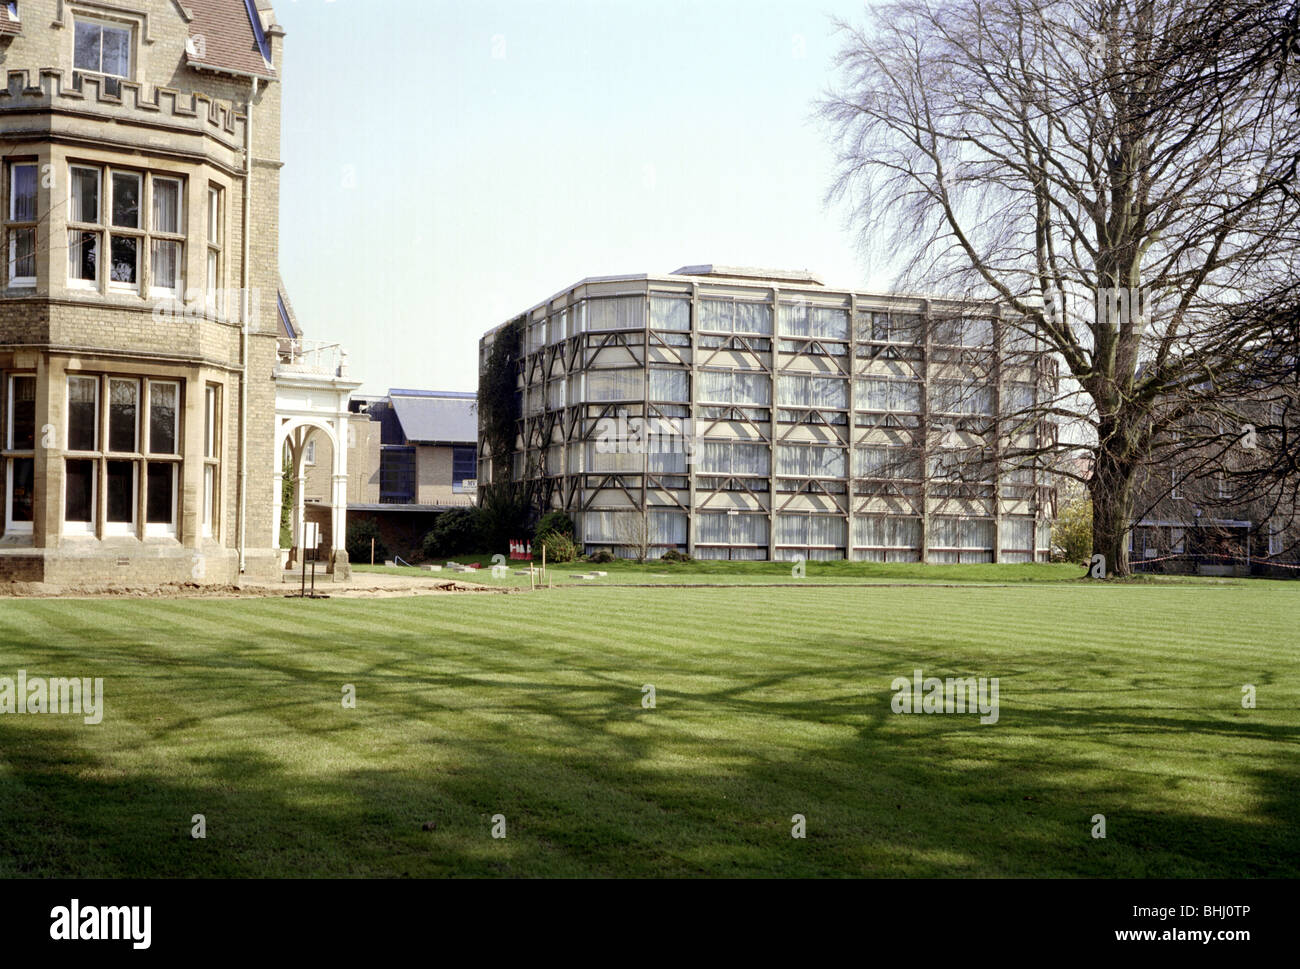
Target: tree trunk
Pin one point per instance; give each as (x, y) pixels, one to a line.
(1111, 489)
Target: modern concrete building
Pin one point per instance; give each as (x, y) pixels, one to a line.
(746, 414)
(142, 330)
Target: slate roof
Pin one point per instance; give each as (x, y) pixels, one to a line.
(436, 417)
(227, 35)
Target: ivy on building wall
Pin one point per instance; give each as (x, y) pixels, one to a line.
(498, 399)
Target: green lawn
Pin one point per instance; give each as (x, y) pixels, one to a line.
(1122, 700)
(701, 572)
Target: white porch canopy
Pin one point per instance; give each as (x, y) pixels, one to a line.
(312, 389)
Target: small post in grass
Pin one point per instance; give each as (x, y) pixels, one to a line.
(372, 551)
(310, 539)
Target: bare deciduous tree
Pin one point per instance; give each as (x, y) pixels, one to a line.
(632, 532)
(1084, 165)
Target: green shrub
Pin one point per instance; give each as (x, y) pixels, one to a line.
(1072, 531)
(559, 547)
(360, 532)
(454, 532)
(601, 556)
(502, 515)
(286, 512)
(672, 555)
(553, 521)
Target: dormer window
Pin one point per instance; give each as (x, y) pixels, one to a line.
(105, 49)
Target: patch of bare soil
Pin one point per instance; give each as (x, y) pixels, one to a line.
(359, 587)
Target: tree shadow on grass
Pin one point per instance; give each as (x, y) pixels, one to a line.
(590, 784)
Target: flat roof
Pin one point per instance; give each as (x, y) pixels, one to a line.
(784, 280)
(751, 272)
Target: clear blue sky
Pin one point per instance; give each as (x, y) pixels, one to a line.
(449, 164)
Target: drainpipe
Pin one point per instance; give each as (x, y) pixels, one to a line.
(243, 336)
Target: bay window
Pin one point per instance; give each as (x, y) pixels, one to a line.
(20, 226)
(20, 452)
(124, 249)
(168, 244)
(84, 235)
(123, 435)
(106, 208)
(215, 239)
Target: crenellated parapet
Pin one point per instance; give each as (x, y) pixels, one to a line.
(53, 92)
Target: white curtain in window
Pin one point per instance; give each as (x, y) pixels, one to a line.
(166, 205)
(879, 393)
(535, 401)
(753, 318)
(669, 384)
(824, 322)
(1018, 533)
(606, 526)
(667, 460)
(668, 527)
(166, 264)
(619, 460)
(1018, 397)
(881, 531)
(973, 533)
(720, 528)
(716, 315)
(670, 313)
(734, 457)
(555, 394)
(959, 397)
(605, 385)
(810, 461)
(810, 530)
(734, 387)
(735, 316)
(618, 313)
(808, 391)
(22, 201)
(877, 461)
(85, 195)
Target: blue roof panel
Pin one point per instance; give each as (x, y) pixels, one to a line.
(431, 417)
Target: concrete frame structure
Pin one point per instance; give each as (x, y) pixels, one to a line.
(823, 422)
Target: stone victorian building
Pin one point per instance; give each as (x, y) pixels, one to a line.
(141, 318)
